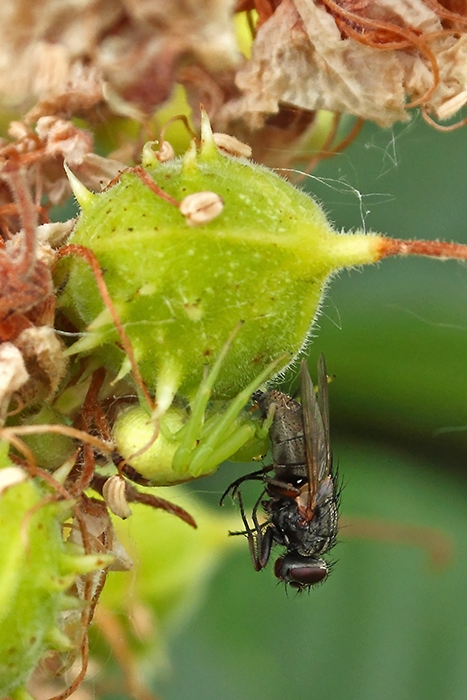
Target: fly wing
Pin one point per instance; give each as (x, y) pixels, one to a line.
(323, 403)
(314, 436)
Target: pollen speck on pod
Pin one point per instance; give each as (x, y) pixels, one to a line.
(114, 492)
(231, 145)
(201, 207)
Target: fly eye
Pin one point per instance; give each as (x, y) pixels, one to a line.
(300, 572)
(308, 575)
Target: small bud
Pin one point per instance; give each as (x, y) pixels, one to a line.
(155, 152)
(166, 152)
(114, 492)
(201, 207)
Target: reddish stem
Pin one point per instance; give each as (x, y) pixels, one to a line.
(147, 180)
(90, 405)
(150, 499)
(18, 184)
(432, 249)
(145, 177)
(93, 262)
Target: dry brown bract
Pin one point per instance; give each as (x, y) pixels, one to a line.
(372, 59)
(127, 50)
(31, 179)
(357, 57)
(33, 363)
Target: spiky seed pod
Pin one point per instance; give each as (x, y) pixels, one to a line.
(262, 259)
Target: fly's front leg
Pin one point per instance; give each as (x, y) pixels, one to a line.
(234, 486)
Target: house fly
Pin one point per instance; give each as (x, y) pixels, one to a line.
(301, 498)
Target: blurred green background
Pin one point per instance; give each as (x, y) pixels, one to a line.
(387, 624)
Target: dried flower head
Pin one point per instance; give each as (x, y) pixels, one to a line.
(374, 60)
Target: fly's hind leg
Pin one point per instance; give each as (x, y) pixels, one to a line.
(260, 536)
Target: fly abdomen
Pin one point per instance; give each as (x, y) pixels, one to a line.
(286, 432)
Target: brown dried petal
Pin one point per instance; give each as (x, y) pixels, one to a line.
(13, 375)
(66, 59)
(95, 172)
(301, 57)
(451, 93)
(62, 138)
(43, 355)
(52, 235)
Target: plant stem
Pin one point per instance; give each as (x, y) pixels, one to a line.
(432, 249)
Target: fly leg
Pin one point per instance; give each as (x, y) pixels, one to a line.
(281, 489)
(259, 542)
(234, 486)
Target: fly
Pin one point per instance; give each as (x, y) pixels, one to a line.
(301, 498)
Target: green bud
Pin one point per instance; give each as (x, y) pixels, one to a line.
(50, 449)
(216, 268)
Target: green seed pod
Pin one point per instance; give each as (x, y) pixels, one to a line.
(35, 571)
(209, 260)
(216, 242)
